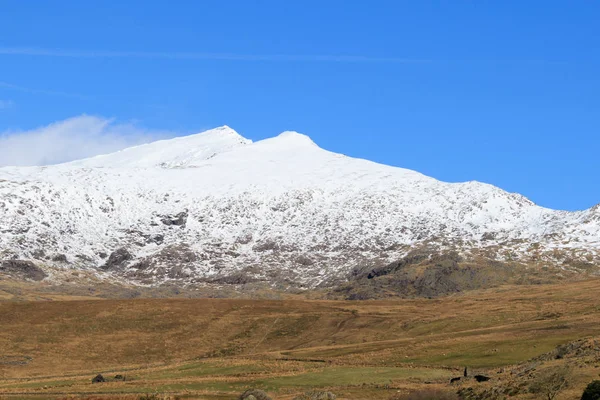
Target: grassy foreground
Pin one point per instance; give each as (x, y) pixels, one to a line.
(217, 348)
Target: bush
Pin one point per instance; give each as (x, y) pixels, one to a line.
(550, 382)
(592, 391)
(428, 394)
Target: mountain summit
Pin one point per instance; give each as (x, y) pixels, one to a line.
(185, 151)
(218, 208)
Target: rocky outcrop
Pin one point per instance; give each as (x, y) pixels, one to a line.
(254, 394)
(118, 259)
(22, 269)
(60, 258)
(316, 395)
(173, 262)
(176, 220)
(424, 273)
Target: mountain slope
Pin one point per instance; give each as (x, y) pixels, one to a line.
(217, 208)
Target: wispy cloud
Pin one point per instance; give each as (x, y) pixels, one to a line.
(4, 104)
(193, 55)
(72, 139)
(42, 52)
(18, 88)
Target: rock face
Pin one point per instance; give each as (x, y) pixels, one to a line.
(176, 220)
(61, 258)
(117, 259)
(22, 269)
(215, 207)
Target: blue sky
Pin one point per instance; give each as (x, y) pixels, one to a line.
(504, 92)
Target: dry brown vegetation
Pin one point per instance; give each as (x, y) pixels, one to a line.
(217, 348)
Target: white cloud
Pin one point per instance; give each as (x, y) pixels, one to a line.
(72, 139)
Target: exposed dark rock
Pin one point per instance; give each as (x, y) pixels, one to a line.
(316, 395)
(83, 257)
(119, 377)
(39, 254)
(254, 394)
(158, 239)
(117, 259)
(15, 360)
(102, 255)
(142, 264)
(488, 236)
(412, 258)
(60, 258)
(438, 279)
(425, 273)
(172, 261)
(265, 245)
(455, 379)
(177, 220)
(177, 254)
(22, 269)
(244, 239)
(577, 348)
(238, 278)
(481, 378)
(98, 379)
(304, 260)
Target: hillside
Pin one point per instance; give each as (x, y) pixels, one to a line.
(217, 209)
(217, 348)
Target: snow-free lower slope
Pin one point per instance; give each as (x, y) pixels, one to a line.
(217, 207)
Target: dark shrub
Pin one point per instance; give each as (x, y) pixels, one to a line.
(592, 391)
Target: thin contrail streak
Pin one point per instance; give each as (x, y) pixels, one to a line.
(40, 91)
(45, 52)
(40, 52)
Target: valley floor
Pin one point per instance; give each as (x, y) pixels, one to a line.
(217, 348)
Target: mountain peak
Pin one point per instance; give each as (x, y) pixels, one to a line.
(179, 152)
(290, 139)
(225, 131)
(293, 135)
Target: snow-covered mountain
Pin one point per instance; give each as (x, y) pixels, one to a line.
(216, 207)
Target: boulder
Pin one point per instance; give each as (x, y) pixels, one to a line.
(254, 394)
(177, 220)
(316, 395)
